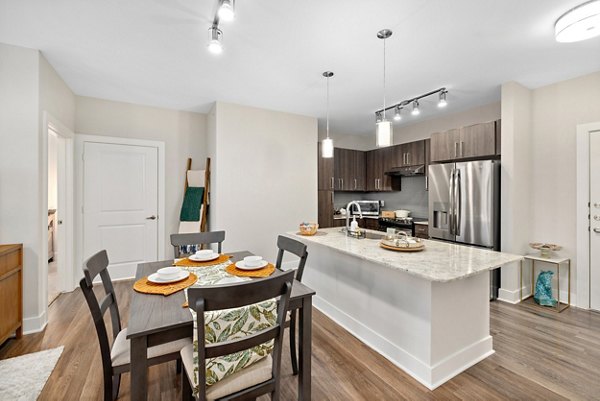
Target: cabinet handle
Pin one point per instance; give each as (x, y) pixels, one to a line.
(332, 183)
(408, 158)
(455, 149)
(355, 184)
(426, 183)
(461, 149)
(342, 187)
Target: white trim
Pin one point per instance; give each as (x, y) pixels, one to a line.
(510, 296)
(583, 197)
(37, 323)
(80, 140)
(430, 376)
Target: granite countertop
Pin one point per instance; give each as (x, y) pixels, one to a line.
(439, 261)
(343, 217)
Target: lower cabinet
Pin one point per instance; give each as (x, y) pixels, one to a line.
(422, 231)
(325, 209)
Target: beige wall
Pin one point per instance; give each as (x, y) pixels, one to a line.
(184, 135)
(266, 183)
(420, 130)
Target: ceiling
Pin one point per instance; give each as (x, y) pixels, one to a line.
(154, 52)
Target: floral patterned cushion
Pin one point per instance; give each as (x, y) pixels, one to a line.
(231, 324)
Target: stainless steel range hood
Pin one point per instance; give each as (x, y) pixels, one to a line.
(407, 171)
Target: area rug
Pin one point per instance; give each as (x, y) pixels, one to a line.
(22, 378)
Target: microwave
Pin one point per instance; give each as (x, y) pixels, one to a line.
(368, 208)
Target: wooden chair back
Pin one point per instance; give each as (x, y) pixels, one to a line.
(204, 299)
(94, 266)
(286, 244)
(204, 238)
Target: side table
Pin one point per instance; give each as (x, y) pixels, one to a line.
(557, 261)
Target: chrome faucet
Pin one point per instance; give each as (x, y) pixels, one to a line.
(348, 214)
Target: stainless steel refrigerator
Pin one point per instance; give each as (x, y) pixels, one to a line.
(464, 205)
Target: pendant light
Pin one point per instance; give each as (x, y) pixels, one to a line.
(383, 128)
(327, 144)
(215, 46)
(226, 10)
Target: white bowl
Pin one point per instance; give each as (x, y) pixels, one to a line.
(252, 261)
(204, 253)
(402, 213)
(168, 273)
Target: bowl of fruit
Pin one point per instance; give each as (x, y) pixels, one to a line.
(308, 228)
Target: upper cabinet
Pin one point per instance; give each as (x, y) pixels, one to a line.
(349, 170)
(474, 141)
(409, 154)
(378, 162)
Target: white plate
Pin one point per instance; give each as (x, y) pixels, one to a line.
(154, 278)
(203, 259)
(240, 265)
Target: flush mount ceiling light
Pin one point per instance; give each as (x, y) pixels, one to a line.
(415, 111)
(579, 23)
(327, 144)
(227, 10)
(398, 113)
(443, 102)
(384, 131)
(214, 40)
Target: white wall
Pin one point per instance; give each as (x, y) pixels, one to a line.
(52, 171)
(420, 130)
(544, 149)
(184, 135)
(266, 183)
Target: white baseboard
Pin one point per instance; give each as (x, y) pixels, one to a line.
(429, 376)
(35, 324)
(512, 296)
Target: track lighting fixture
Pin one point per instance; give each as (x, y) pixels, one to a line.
(579, 23)
(327, 144)
(214, 40)
(442, 102)
(415, 111)
(398, 113)
(226, 10)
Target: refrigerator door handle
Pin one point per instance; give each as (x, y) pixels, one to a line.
(451, 201)
(457, 203)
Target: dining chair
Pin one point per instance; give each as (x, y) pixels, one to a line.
(286, 244)
(262, 377)
(115, 359)
(192, 240)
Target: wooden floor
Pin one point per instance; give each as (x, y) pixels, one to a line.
(539, 356)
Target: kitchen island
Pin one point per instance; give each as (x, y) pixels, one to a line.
(427, 312)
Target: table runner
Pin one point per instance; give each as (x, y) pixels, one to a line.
(230, 324)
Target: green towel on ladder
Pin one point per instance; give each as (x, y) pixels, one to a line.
(192, 201)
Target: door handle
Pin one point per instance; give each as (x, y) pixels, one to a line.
(451, 203)
(59, 222)
(597, 230)
(332, 183)
(153, 217)
(458, 205)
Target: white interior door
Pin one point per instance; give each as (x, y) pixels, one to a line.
(595, 220)
(120, 204)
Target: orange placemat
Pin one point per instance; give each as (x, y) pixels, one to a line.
(147, 287)
(264, 272)
(186, 262)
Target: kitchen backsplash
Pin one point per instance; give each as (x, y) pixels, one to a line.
(413, 197)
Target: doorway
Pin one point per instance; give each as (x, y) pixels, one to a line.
(588, 216)
(121, 198)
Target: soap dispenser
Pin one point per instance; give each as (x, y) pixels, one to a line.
(354, 225)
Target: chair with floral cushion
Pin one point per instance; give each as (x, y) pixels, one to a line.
(243, 367)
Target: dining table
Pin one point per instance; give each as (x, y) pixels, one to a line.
(157, 319)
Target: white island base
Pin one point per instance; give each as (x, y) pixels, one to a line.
(433, 330)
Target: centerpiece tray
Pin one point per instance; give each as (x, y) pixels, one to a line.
(402, 245)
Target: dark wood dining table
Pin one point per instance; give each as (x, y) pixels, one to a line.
(156, 319)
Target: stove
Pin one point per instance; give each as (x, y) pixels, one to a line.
(406, 224)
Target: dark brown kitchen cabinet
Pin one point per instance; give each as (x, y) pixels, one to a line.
(349, 170)
(325, 171)
(409, 154)
(325, 209)
(474, 141)
(422, 231)
(379, 161)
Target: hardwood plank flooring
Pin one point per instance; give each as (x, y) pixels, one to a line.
(539, 356)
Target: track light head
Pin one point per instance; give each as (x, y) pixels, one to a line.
(215, 46)
(398, 113)
(226, 10)
(415, 111)
(443, 102)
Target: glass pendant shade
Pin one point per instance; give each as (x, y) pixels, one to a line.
(327, 148)
(384, 133)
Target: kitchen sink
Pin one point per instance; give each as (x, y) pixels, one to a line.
(372, 235)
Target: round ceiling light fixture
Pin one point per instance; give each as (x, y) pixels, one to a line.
(214, 40)
(579, 23)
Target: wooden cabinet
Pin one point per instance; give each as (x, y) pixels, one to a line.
(379, 161)
(325, 171)
(422, 231)
(349, 170)
(11, 291)
(409, 154)
(471, 142)
(325, 209)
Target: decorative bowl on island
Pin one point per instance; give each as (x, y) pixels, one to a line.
(308, 228)
(545, 249)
